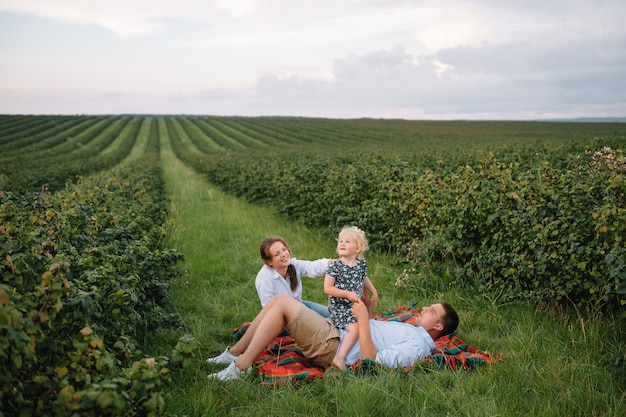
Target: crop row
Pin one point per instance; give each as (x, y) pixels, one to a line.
(16, 129)
(61, 136)
(89, 151)
(84, 274)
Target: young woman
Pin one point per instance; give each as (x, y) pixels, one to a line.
(282, 274)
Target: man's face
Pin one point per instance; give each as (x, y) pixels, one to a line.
(429, 316)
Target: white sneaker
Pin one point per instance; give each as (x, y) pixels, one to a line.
(230, 374)
(223, 358)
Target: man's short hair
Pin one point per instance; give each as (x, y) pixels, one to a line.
(450, 320)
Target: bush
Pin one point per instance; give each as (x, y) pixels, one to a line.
(543, 233)
(83, 275)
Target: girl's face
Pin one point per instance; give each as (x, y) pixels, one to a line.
(279, 255)
(347, 245)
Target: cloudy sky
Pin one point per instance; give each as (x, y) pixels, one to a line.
(411, 59)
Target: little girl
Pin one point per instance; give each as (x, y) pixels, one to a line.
(345, 280)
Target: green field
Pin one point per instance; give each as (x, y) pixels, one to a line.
(519, 225)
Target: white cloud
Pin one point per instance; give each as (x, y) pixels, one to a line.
(122, 18)
(330, 57)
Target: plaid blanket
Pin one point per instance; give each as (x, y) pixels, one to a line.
(282, 361)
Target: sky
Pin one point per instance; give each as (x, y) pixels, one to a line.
(406, 59)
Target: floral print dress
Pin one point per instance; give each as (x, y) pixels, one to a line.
(349, 278)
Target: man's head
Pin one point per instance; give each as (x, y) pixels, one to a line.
(438, 319)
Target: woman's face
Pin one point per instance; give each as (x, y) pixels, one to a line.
(279, 255)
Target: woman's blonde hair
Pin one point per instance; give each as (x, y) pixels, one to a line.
(361, 241)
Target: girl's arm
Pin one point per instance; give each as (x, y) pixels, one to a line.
(330, 289)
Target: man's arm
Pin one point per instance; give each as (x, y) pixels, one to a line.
(367, 348)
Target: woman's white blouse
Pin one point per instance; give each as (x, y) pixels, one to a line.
(270, 283)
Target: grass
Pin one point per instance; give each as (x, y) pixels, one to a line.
(556, 365)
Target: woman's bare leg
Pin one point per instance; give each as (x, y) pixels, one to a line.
(264, 328)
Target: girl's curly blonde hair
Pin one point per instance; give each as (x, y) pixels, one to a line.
(359, 236)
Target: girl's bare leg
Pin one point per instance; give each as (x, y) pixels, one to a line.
(349, 339)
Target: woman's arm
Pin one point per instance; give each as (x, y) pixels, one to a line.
(265, 288)
(311, 269)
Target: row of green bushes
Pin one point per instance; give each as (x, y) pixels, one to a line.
(54, 166)
(83, 276)
(18, 132)
(58, 137)
(530, 222)
(545, 234)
